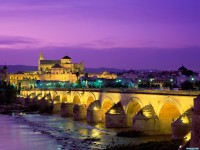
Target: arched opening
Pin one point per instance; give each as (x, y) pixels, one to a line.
(56, 99)
(64, 99)
(47, 98)
(76, 100)
(132, 108)
(39, 96)
(89, 101)
(107, 104)
(167, 115)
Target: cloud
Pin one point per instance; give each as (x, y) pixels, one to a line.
(14, 40)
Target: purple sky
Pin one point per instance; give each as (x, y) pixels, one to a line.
(129, 34)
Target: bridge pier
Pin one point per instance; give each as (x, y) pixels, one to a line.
(146, 121)
(94, 112)
(94, 116)
(195, 136)
(79, 112)
(45, 106)
(116, 117)
(182, 126)
(67, 109)
(56, 108)
(21, 100)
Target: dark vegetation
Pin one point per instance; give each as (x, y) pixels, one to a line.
(129, 133)
(162, 145)
(190, 85)
(8, 94)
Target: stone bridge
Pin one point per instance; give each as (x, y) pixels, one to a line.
(150, 111)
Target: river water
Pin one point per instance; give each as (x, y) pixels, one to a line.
(52, 132)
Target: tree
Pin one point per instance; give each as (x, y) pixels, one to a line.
(187, 85)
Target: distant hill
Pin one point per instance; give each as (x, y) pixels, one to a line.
(23, 68)
(17, 68)
(100, 70)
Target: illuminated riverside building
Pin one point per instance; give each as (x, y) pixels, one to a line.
(53, 71)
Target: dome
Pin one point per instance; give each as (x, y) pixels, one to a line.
(5, 67)
(57, 66)
(66, 57)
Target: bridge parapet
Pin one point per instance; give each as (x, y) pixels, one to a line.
(123, 90)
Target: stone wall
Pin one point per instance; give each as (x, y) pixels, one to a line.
(195, 137)
(116, 120)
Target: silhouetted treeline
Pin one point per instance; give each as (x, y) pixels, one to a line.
(8, 93)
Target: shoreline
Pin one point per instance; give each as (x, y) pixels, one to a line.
(65, 136)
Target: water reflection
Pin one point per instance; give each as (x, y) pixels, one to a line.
(56, 132)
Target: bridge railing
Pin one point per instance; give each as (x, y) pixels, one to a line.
(123, 90)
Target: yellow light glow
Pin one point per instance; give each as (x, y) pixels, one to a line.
(187, 137)
(95, 108)
(112, 111)
(185, 120)
(147, 114)
(95, 134)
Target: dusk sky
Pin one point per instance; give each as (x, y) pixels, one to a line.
(125, 34)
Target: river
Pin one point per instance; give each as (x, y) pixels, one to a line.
(52, 132)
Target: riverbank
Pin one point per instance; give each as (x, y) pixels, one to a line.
(16, 135)
(162, 145)
(8, 109)
(70, 134)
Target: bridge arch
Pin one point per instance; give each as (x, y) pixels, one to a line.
(170, 102)
(76, 98)
(106, 104)
(134, 105)
(89, 99)
(39, 96)
(168, 111)
(47, 97)
(65, 97)
(32, 95)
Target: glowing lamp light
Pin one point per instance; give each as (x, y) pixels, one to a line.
(187, 137)
(95, 134)
(95, 108)
(151, 80)
(112, 111)
(184, 120)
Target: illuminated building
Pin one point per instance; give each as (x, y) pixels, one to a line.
(62, 70)
(61, 66)
(49, 70)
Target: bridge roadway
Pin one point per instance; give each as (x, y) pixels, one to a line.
(157, 109)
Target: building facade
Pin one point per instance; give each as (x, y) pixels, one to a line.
(61, 66)
(49, 70)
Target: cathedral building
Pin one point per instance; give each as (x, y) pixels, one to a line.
(61, 66)
(49, 70)
(53, 72)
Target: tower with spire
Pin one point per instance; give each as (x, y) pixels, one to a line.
(40, 58)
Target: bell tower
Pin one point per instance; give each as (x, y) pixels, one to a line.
(40, 58)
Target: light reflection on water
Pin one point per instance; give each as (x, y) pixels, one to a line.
(55, 132)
